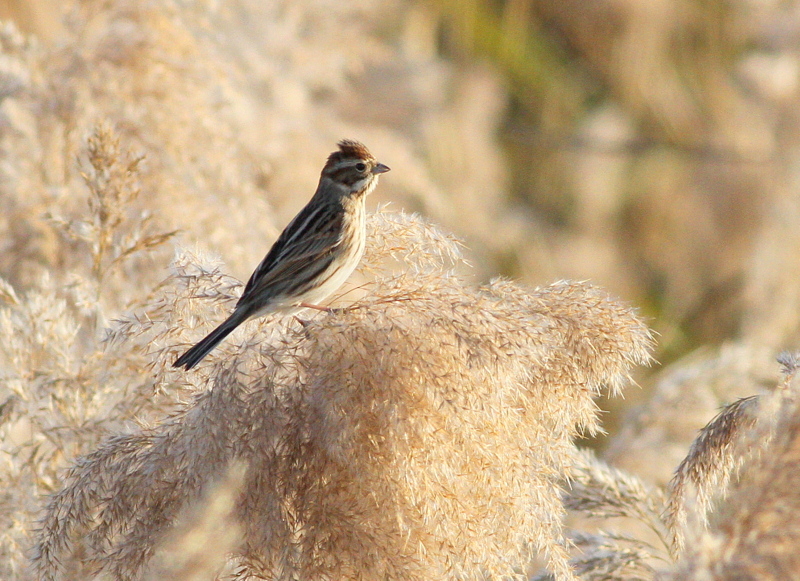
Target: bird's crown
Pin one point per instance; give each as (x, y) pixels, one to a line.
(349, 149)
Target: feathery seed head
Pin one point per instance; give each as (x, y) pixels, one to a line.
(420, 433)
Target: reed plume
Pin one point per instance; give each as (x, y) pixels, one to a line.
(755, 532)
(421, 432)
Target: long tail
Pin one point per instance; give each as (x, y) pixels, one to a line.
(193, 356)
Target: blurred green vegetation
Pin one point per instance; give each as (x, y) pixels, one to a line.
(629, 128)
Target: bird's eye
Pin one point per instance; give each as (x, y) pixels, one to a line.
(361, 166)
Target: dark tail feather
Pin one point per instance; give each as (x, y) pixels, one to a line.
(193, 356)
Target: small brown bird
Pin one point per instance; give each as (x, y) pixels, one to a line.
(317, 251)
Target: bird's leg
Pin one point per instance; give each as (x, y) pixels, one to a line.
(315, 307)
(303, 322)
(320, 308)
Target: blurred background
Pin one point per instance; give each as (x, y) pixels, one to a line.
(650, 146)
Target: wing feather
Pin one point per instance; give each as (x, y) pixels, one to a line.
(303, 249)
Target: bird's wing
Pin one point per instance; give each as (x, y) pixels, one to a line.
(303, 250)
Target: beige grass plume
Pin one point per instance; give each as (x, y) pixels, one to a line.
(420, 433)
(756, 531)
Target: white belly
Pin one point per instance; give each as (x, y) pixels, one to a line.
(337, 273)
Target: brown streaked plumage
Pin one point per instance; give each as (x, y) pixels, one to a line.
(315, 253)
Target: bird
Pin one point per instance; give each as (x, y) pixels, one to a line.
(315, 254)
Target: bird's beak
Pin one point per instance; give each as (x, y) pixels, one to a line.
(380, 168)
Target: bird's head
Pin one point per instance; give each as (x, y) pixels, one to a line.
(353, 168)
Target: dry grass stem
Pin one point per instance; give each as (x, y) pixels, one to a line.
(112, 237)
